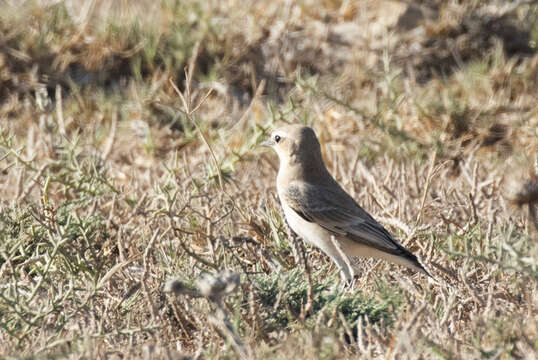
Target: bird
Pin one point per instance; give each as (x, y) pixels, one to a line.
(321, 212)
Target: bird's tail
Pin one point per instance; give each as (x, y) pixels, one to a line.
(410, 260)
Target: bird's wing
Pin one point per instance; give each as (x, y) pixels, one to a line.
(333, 209)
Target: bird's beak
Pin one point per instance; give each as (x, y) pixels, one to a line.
(267, 143)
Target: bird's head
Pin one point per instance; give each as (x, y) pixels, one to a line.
(295, 144)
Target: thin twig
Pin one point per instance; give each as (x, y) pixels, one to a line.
(189, 111)
(153, 311)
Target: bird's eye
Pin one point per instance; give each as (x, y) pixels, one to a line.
(277, 138)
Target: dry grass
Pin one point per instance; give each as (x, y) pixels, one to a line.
(113, 181)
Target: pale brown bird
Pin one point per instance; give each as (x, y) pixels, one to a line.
(321, 212)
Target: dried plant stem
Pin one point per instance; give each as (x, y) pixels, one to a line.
(426, 188)
(145, 274)
(224, 327)
(300, 257)
(189, 111)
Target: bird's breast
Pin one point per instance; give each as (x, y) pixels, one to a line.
(308, 231)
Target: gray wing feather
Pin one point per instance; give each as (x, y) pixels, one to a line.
(333, 209)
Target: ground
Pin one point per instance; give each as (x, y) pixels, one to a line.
(139, 216)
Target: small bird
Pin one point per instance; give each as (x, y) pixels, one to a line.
(321, 212)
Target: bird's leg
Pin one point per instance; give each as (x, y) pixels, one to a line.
(295, 241)
(343, 261)
(348, 284)
(345, 274)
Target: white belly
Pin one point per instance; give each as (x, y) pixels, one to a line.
(319, 237)
(308, 231)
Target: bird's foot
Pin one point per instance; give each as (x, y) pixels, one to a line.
(348, 285)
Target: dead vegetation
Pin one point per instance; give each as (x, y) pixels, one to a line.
(118, 173)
